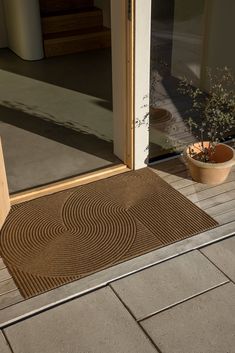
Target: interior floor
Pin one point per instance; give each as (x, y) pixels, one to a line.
(55, 116)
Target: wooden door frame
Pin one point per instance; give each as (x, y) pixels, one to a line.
(133, 125)
(125, 139)
(130, 118)
(4, 193)
(122, 17)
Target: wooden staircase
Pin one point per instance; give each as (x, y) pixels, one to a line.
(71, 26)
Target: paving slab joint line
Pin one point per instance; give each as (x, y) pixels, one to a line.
(182, 301)
(139, 325)
(7, 341)
(218, 268)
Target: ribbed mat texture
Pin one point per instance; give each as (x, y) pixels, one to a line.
(57, 239)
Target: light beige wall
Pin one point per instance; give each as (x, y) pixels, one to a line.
(3, 31)
(187, 39)
(219, 48)
(24, 28)
(203, 37)
(105, 5)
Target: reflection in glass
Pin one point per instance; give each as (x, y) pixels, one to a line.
(187, 38)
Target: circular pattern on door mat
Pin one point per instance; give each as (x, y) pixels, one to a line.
(69, 238)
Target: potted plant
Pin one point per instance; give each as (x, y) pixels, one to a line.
(209, 160)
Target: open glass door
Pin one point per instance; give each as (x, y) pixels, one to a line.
(4, 194)
(64, 117)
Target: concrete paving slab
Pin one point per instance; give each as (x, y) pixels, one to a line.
(95, 323)
(222, 254)
(4, 348)
(204, 324)
(163, 285)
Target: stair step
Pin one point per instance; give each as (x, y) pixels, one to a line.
(76, 41)
(52, 6)
(70, 21)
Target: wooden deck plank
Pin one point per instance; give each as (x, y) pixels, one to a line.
(194, 189)
(197, 187)
(10, 298)
(209, 192)
(171, 178)
(222, 208)
(165, 174)
(182, 183)
(216, 200)
(171, 166)
(178, 179)
(2, 265)
(4, 275)
(225, 217)
(7, 286)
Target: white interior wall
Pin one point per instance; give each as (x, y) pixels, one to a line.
(24, 28)
(188, 39)
(3, 30)
(202, 37)
(219, 36)
(105, 6)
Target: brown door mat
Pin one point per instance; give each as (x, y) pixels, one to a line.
(60, 238)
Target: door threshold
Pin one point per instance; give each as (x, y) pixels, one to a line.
(67, 184)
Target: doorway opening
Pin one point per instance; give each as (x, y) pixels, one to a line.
(56, 115)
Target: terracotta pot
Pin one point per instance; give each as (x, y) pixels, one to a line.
(211, 173)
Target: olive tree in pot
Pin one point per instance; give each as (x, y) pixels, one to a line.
(209, 160)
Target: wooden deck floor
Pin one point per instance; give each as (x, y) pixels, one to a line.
(217, 201)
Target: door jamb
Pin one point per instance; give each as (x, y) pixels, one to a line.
(130, 118)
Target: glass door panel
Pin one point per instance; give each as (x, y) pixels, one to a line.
(187, 37)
